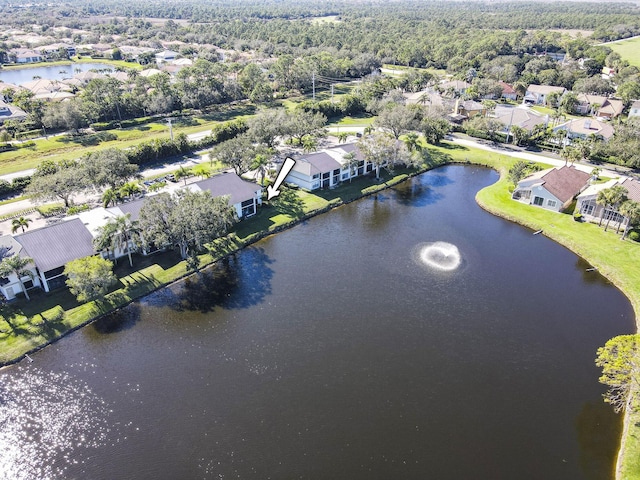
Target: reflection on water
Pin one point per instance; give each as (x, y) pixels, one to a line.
(46, 420)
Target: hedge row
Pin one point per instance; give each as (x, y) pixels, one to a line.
(160, 149)
(16, 186)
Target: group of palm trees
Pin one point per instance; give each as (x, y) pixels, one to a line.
(615, 198)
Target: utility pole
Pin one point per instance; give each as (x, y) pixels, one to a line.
(313, 83)
(170, 128)
(332, 93)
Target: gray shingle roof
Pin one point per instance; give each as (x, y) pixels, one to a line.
(133, 208)
(321, 162)
(633, 189)
(52, 247)
(230, 184)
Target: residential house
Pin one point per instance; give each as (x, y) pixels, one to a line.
(470, 108)
(52, 247)
(27, 56)
(244, 196)
(6, 87)
(10, 285)
(11, 112)
(454, 88)
(538, 94)
(166, 56)
(553, 189)
(522, 117)
(591, 211)
(598, 105)
(634, 111)
(584, 128)
(508, 92)
(326, 169)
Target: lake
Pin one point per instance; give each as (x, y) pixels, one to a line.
(20, 76)
(406, 335)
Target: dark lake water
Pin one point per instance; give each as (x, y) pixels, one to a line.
(335, 351)
(19, 76)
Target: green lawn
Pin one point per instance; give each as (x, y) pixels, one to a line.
(68, 147)
(629, 50)
(26, 325)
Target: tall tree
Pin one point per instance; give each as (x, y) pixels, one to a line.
(109, 167)
(396, 118)
(119, 233)
(382, 150)
(237, 153)
(620, 363)
(16, 264)
(61, 185)
(89, 278)
(187, 220)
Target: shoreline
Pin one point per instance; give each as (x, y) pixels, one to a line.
(233, 245)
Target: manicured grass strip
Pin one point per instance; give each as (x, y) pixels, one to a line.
(629, 50)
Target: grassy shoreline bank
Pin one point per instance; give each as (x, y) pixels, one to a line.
(33, 327)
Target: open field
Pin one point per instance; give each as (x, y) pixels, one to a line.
(628, 49)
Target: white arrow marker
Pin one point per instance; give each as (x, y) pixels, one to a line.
(272, 190)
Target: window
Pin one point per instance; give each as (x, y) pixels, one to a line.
(345, 176)
(551, 203)
(248, 207)
(538, 201)
(317, 175)
(588, 207)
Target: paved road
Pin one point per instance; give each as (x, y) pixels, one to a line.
(201, 157)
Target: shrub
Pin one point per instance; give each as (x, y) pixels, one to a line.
(78, 208)
(20, 183)
(634, 235)
(51, 210)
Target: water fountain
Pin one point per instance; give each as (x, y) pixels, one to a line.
(440, 255)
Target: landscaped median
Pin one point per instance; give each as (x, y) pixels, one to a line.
(27, 326)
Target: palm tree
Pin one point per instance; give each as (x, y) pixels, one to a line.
(15, 264)
(411, 140)
(118, 234)
(261, 166)
(631, 210)
(110, 197)
(610, 198)
(309, 144)
(22, 222)
(182, 173)
(129, 189)
(351, 162)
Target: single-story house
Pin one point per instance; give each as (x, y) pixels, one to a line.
(166, 56)
(326, 169)
(634, 111)
(522, 117)
(52, 247)
(6, 87)
(470, 108)
(28, 56)
(538, 94)
(583, 128)
(553, 189)
(508, 92)
(10, 285)
(11, 112)
(591, 211)
(244, 196)
(454, 87)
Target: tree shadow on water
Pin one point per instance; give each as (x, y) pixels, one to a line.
(119, 320)
(416, 193)
(237, 281)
